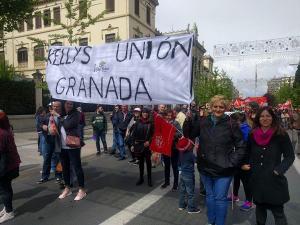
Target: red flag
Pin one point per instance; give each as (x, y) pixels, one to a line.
(163, 136)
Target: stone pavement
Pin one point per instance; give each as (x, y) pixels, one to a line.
(113, 198)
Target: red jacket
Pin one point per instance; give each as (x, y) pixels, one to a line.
(8, 146)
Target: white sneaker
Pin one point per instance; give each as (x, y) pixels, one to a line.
(2, 212)
(7, 216)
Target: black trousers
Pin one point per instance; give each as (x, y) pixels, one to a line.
(6, 191)
(72, 156)
(243, 176)
(277, 211)
(145, 156)
(174, 161)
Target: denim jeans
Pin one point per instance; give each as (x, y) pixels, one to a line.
(100, 135)
(120, 143)
(47, 156)
(114, 146)
(187, 187)
(216, 198)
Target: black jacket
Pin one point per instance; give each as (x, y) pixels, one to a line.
(221, 146)
(142, 131)
(267, 187)
(71, 123)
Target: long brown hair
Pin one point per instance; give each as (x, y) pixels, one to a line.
(278, 129)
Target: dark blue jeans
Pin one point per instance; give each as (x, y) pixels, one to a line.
(51, 158)
(216, 198)
(100, 135)
(120, 143)
(187, 187)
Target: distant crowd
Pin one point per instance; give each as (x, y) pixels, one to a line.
(255, 146)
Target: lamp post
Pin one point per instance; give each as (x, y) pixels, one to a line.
(38, 79)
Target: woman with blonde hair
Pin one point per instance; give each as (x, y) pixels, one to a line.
(221, 151)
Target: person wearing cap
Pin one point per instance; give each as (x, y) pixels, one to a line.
(99, 124)
(141, 136)
(9, 167)
(128, 138)
(187, 176)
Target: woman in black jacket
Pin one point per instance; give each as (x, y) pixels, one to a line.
(222, 150)
(71, 155)
(141, 136)
(268, 143)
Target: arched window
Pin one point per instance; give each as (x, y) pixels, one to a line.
(57, 43)
(22, 55)
(39, 53)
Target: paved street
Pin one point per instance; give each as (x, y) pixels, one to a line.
(113, 198)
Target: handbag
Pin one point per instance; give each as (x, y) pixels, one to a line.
(73, 141)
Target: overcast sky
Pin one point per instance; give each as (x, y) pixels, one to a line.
(230, 21)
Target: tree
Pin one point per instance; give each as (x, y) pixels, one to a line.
(207, 86)
(12, 12)
(78, 19)
(297, 78)
(285, 93)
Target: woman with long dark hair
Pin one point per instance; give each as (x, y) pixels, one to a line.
(9, 167)
(70, 155)
(271, 155)
(141, 135)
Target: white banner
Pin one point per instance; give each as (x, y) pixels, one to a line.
(134, 72)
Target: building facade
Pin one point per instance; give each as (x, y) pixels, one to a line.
(124, 19)
(276, 83)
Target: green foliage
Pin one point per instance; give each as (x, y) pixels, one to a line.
(207, 86)
(14, 11)
(7, 72)
(284, 93)
(297, 78)
(293, 93)
(78, 19)
(20, 97)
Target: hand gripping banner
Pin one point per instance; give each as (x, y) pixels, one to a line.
(134, 72)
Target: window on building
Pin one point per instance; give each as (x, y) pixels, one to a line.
(39, 53)
(110, 5)
(47, 18)
(22, 55)
(29, 23)
(137, 7)
(56, 15)
(110, 38)
(38, 20)
(21, 26)
(148, 15)
(57, 43)
(83, 42)
(82, 9)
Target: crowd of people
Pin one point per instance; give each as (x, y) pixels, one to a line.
(251, 146)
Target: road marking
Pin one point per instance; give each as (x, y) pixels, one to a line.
(297, 164)
(137, 208)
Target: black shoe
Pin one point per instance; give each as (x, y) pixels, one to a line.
(132, 161)
(112, 152)
(203, 193)
(136, 163)
(105, 152)
(175, 188)
(41, 181)
(117, 155)
(98, 153)
(140, 182)
(121, 158)
(150, 183)
(164, 185)
(194, 211)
